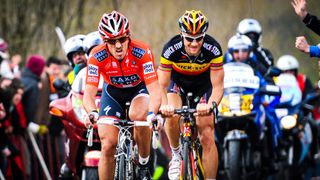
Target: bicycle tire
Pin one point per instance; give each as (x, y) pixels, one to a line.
(186, 163)
(122, 168)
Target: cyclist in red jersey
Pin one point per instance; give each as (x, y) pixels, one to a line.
(192, 62)
(127, 67)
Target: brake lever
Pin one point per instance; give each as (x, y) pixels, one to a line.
(90, 135)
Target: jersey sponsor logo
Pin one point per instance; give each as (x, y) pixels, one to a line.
(214, 49)
(106, 110)
(101, 55)
(124, 80)
(172, 49)
(148, 68)
(92, 70)
(92, 80)
(138, 52)
(191, 67)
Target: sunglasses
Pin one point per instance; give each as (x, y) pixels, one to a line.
(191, 39)
(114, 41)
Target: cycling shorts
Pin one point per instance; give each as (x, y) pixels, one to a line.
(113, 99)
(200, 93)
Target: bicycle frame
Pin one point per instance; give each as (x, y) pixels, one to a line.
(124, 150)
(191, 145)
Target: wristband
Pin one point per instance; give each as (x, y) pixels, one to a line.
(94, 113)
(150, 116)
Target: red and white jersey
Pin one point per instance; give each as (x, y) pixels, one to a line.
(137, 66)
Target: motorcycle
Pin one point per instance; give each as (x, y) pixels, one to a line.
(81, 160)
(299, 131)
(241, 123)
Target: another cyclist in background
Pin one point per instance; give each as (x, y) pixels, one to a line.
(75, 53)
(127, 67)
(253, 29)
(192, 62)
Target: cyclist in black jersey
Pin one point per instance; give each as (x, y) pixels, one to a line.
(192, 62)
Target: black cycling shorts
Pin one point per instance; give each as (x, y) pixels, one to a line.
(200, 93)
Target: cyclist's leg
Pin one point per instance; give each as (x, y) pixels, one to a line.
(205, 126)
(108, 137)
(138, 112)
(171, 125)
(109, 106)
(172, 130)
(142, 135)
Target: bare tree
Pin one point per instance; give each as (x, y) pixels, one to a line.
(26, 23)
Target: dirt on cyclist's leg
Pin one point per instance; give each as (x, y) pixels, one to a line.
(205, 128)
(108, 137)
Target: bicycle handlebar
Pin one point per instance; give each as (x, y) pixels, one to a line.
(110, 121)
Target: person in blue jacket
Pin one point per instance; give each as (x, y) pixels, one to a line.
(303, 45)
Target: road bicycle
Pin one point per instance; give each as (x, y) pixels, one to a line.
(126, 151)
(191, 168)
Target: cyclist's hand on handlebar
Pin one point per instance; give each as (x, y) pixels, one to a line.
(91, 118)
(155, 120)
(167, 110)
(203, 109)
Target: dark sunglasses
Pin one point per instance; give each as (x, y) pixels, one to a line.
(191, 39)
(114, 41)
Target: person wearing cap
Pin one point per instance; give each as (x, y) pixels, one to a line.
(191, 61)
(30, 78)
(312, 22)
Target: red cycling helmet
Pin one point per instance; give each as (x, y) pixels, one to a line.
(113, 25)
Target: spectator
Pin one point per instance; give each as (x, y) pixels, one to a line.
(47, 94)
(5, 70)
(14, 65)
(303, 45)
(30, 78)
(312, 22)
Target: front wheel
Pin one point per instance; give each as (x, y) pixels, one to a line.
(233, 158)
(121, 168)
(186, 162)
(89, 173)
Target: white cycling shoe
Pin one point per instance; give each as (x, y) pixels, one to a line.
(174, 168)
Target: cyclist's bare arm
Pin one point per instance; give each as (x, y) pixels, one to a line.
(164, 81)
(89, 98)
(155, 96)
(216, 77)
